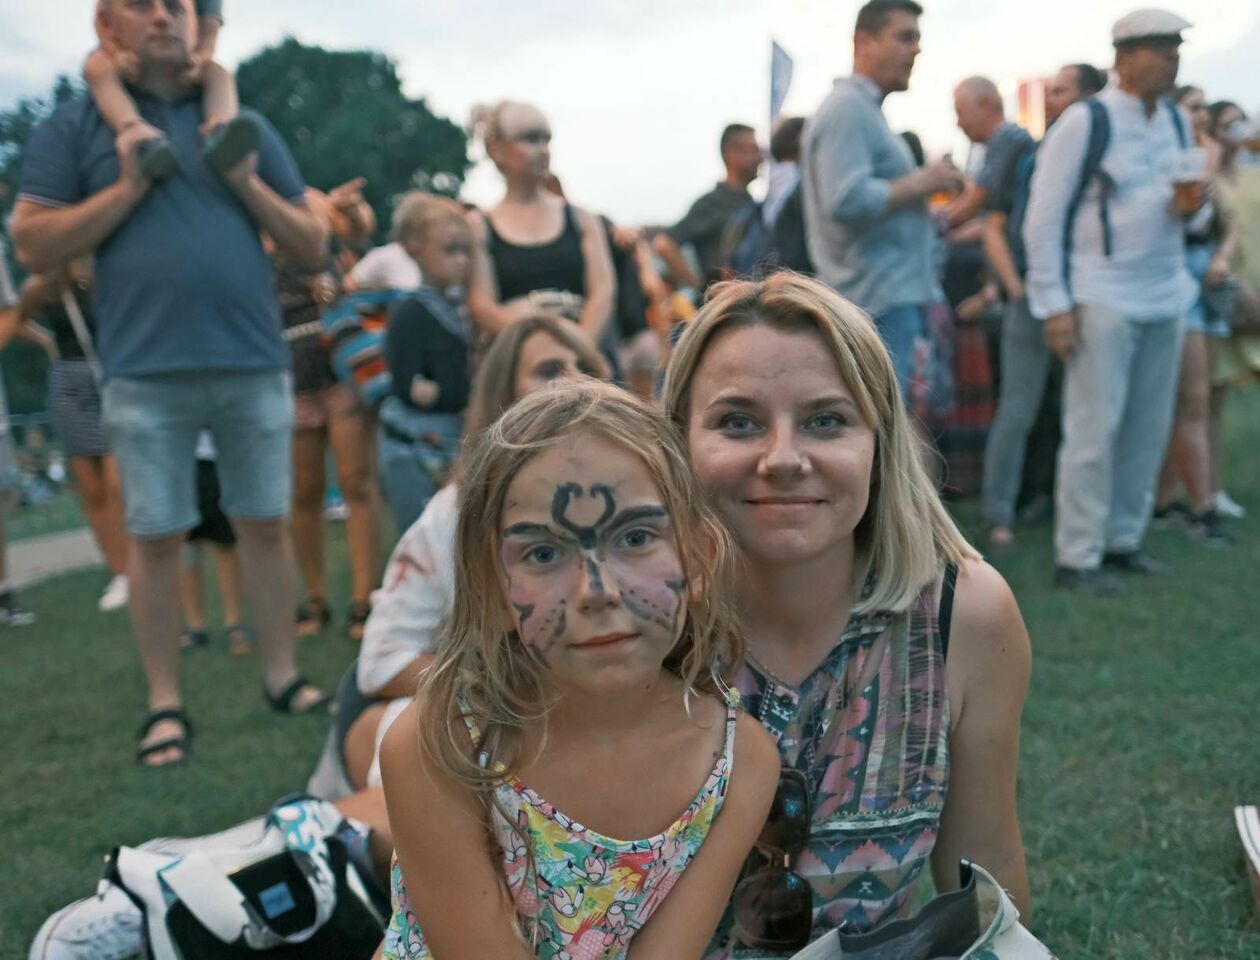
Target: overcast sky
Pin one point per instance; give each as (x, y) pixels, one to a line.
(638, 90)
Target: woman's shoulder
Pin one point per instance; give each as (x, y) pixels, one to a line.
(988, 640)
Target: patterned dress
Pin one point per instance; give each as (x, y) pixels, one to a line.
(878, 781)
(587, 894)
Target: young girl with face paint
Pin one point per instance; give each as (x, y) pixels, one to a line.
(577, 697)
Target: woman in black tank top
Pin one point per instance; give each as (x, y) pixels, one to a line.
(535, 252)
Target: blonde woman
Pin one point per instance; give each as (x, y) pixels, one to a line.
(535, 251)
(886, 658)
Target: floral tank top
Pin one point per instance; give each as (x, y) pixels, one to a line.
(878, 780)
(587, 894)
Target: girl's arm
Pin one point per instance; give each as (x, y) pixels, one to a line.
(684, 924)
(111, 97)
(601, 284)
(454, 885)
(990, 660)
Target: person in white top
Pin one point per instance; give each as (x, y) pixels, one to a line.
(1107, 275)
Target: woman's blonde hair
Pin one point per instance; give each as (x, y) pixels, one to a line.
(906, 536)
(482, 670)
(486, 120)
(417, 212)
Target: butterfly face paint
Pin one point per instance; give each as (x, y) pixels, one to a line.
(590, 563)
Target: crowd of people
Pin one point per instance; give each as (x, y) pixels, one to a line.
(672, 550)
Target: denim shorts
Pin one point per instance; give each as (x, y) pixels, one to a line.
(1203, 316)
(153, 422)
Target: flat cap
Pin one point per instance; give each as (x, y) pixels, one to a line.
(1143, 24)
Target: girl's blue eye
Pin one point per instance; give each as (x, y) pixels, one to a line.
(638, 538)
(542, 555)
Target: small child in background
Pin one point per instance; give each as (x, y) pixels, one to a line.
(581, 670)
(216, 530)
(428, 349)
(229, 136)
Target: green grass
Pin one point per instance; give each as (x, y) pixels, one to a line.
(63, 512)
(1140, 736)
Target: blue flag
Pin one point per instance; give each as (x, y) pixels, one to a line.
(780, 78)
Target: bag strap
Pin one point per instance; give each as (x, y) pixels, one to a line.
(1091, 167)
(1179, 124)
(79, 325)
(945, 614)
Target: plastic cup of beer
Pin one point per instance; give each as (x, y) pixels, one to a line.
(1190, 180)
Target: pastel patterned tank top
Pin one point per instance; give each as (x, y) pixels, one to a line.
(878, 780)
(588, 894)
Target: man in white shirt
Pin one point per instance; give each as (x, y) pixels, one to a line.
(1107, 275)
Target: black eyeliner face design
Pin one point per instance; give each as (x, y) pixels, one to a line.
(587, 536)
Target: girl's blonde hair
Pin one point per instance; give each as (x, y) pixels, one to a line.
(906, 537)
(482, 671)
(418, 212)
(494, 389)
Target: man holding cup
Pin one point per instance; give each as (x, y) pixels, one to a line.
(1107, 274)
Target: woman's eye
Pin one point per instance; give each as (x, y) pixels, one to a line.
(638, 538)
(550, 370)
(541, 555)
(736, 422)
(826, 421)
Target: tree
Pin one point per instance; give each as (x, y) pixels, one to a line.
(344, 115)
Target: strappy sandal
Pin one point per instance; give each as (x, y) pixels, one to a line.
(229, 143)
(356, 620)
(182, 743)
(191, 639)
(241, 640)
(313, 616)
(283, 702)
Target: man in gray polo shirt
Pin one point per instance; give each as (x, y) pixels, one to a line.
(188, 336)
(867, 223)
(1112, 288)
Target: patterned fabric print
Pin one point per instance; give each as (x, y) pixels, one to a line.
(588, 893)
(880, 787)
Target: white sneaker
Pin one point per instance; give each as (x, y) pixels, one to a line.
(1227, 506)
(115, 595)
(105, 927)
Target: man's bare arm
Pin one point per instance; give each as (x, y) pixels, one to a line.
(45, 237)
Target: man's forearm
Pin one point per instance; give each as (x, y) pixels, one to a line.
(46, 237)
(671, 253)
(297, 232)
(907, 191)
(998, 252)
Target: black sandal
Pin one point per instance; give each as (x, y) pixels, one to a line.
(282, 702)
(182, 743)
(191, 639)
(312, 617)
(229, 143)
(356, 620)
(241, 640)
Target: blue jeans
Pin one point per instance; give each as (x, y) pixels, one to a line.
(153, 423)
(899, 327)
(1025, 368)
(414, 454)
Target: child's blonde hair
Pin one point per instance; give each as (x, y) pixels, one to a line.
(418, 212)
(482, 670)
(906, 536)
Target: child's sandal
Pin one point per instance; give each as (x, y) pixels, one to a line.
(231, 143)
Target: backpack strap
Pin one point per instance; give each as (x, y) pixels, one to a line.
(945, 613)
(1179, 124)
(1091, 167)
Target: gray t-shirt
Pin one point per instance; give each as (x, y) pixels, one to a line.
(1008, 143)
(183, 284)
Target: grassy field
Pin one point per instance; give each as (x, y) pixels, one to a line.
(1140, 736)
